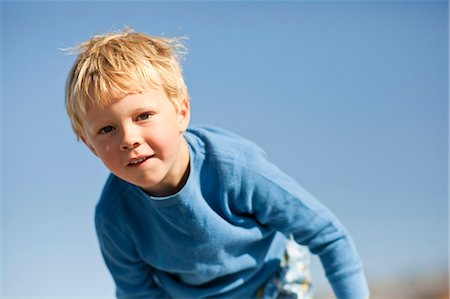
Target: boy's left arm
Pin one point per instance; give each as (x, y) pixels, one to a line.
(277, 201)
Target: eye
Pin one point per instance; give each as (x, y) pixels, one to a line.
(144, 116)
(105, 130)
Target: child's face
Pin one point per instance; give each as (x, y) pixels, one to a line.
(140, 139)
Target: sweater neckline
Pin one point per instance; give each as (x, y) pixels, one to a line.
(185, 191)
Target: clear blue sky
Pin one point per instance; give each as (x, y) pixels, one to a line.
(350, 98)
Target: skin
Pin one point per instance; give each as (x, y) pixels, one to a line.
(140, 139)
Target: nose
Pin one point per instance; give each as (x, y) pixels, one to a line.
(130, 139)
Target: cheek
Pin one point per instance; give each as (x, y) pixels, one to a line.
(106, 154)
(104, 147)
(164, 142)
(163, 138)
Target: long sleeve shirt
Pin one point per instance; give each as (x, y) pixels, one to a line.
(223, 234)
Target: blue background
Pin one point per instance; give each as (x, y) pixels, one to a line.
(350, 98)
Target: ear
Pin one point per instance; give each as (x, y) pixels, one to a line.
(88, 145)
(184, 115)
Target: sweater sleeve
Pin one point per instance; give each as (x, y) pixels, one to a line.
(277, 201)
(133, 278)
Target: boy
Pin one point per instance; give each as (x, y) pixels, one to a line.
(191, 212)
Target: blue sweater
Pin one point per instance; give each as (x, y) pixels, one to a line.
(223, 234)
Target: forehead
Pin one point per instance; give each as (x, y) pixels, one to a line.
(149, 98)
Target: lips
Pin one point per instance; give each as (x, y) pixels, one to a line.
(138, 161)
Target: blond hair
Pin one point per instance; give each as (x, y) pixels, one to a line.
(113, 65)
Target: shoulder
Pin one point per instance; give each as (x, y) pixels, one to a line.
(233, 162)
(113, 192)
(218, 143)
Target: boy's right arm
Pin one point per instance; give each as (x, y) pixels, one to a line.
(132, 276)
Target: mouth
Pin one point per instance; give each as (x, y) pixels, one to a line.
(135, 162)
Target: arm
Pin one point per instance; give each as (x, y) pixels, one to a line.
(132, 276)
(277, 201)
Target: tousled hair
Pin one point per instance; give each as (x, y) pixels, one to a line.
(113, 65)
